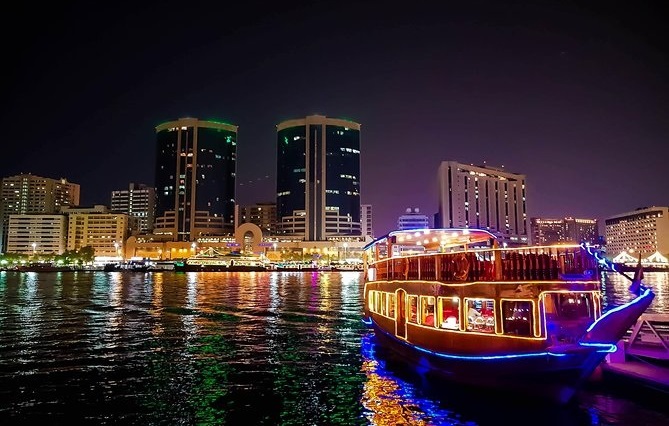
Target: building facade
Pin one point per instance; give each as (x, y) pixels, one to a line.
(96, 227)
(196, 166)
(366, 220)
(29, 194)
(139, 203)
(261, 214)
(413, 219)
(37, 233)
(642, 231)
(483, 197)
(567, 230)
(318, 177)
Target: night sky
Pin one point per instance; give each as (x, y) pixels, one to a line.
(572, 95)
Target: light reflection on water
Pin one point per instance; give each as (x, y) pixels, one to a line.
(218, 348)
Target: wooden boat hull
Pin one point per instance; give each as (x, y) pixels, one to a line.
(540, 375)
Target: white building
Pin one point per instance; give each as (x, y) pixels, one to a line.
(483, 197)
(37, 234)
(644, 230)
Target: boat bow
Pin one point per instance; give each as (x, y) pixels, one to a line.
(613, 325)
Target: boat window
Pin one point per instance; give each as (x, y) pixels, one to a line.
(413, 309)
(569, 306)
(377, 301)
(370, 302)
(517, 316)
(384, 304)
(449, 307)
(391, 305)
(427, 310)
(481, 315)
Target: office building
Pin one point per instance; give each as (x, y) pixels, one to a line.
(37, 233)
(29, 194)
(567, 230)
(261, 214)
(318, 178)
(139, 203)
(366, 220)
(196, 164)
(644, 230)
(96, 227)
(483, 197)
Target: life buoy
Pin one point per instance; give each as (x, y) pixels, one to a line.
(461, 267)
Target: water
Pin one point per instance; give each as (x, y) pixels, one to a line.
(238, 348)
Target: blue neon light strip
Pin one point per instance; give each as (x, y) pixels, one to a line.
(475, 357)
(646, 293)
(606, 347)
(600, 259)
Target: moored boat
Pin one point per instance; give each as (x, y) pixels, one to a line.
(527, 319)
(211, 260)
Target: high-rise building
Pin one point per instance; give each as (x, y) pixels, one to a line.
(582, 230)
(29, 194)
(567, 230)
(366, 220)
(318, 177)
(413, 219)
(483, 197)
(644, 231)
(139, 203)
(196, 164)
(261, 214)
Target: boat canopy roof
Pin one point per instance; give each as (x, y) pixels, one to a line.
(435, 239)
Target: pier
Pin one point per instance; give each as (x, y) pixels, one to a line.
(642, 358)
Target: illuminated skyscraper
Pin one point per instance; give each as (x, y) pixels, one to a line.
(318, 177)
(483, 197)
(195, 178)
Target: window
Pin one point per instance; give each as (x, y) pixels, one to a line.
(427, 310)
(481, 315)
(569, 306)
(391, 305)
(449, 307)
(517, 317)
(384, 303)
(413, 309)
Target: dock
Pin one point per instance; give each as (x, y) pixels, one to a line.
(642, 358)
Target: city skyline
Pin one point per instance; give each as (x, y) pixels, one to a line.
(561, 92)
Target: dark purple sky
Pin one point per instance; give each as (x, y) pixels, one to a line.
(572, 94)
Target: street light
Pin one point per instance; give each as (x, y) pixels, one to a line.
(34, 248)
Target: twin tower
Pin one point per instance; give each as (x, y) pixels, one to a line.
(317, 188)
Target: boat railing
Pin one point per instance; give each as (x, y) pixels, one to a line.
(507, 264)
(649, 337)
